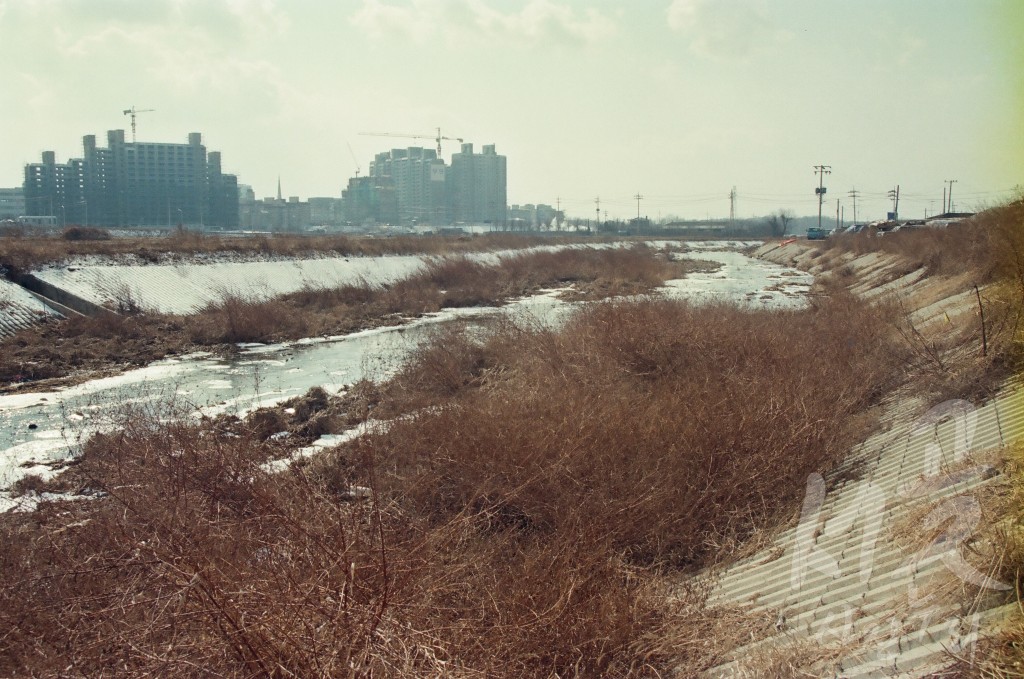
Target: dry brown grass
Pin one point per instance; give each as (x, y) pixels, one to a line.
(989, 245)
(24, 250)
(109, 340)
(632, 411)
(524, 522)
(443, 282)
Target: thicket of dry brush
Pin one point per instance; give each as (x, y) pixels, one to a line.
(62, 347)
(523, 521)
(444, 282)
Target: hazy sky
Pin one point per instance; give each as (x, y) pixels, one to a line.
(679, 100)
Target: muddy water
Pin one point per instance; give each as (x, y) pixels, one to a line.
(40, 428)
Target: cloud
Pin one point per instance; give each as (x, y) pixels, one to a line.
(538, 22)
(226, 20)
(724, 30)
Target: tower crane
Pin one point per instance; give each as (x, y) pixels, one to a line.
(436, 137)
(354, 160)
(132, 112)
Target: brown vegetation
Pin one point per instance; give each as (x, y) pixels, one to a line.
(62, 347)
(975, 245)
(521, 517)
(22, 250)
(988, 251)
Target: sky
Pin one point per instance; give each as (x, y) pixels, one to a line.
(678, 101)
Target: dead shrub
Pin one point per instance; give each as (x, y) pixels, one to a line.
(642, 418)
(75, 233)
(519, 521)
(195, 564)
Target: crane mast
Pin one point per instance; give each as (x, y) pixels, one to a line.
(133, 112)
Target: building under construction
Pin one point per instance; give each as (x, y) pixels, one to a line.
(134, 184)
(414, 186)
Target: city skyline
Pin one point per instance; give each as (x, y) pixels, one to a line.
(677, 100)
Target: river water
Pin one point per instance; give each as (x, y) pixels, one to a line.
(40, 428)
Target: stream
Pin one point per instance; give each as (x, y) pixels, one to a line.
(38, 429)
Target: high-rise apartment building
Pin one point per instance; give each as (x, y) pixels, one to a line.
(478, 186)
(418, 177)
(134, 183)
(369, 200)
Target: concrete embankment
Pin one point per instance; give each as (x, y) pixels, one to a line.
(88, 285)
(19, 309)
(185, 287)
(859, 587)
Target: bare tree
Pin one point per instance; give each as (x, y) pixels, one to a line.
(778, 223)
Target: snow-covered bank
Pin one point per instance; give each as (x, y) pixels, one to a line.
(19, 309)
(187, 287)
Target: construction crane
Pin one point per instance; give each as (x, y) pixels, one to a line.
(132, 112)
(352, 153)
(437, 137)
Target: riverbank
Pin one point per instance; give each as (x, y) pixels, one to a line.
(905, 559)
(80, 347)
(515, 499)
(520, 500)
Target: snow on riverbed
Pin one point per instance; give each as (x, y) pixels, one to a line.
(41, 429)
(19, 309)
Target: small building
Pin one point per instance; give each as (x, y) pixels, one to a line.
(12, 203)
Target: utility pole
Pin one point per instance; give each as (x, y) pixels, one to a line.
(558, 213)
(837, 214)
(732, 206)
(597, 219)
(821, 170)
(638, 198)
(854, 193)
(949, 206)
(894, 195)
